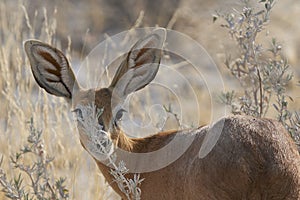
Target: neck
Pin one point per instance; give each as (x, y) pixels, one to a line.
(142, 145)
(122, 141)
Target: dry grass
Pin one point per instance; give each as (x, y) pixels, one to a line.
(21, 99)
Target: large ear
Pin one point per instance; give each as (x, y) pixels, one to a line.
(141, 64)
(50, 69)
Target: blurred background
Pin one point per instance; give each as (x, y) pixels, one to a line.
(77, 27)
(86, 22)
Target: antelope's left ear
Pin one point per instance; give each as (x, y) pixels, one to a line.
(51, 69)
(141, 64)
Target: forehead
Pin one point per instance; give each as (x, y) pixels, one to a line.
(99, 96)
(83, 97)
(103, 97)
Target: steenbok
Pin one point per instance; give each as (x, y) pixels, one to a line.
(253, 158)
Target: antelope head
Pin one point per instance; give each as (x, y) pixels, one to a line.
(53, 72)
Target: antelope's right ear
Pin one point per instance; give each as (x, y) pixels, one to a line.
(140, 66)
(50, 69)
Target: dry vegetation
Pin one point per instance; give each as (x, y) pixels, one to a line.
(21, 100)
(76, 27)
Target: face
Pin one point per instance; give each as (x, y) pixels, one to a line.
(91, 124)
(101, 98)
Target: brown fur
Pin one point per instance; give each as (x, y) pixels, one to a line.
(253, 159)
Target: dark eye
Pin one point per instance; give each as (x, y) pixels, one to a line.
(119, 114)
(78, 113)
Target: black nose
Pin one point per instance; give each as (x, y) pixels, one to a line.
(100, 121)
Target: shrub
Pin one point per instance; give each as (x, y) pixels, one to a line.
(32, 180)
(263, 73)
